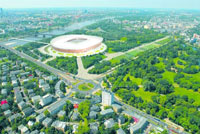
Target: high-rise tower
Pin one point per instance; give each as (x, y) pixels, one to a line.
(107, 98)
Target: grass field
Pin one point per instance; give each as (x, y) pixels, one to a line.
(190, 93)
(169, 76)
(75, 83)
(130, 55)
(164, 41)
(46, 49)
(110, 51)
(133, 79)
(145, 95)
(4, 60)
(85, 86)
(176, 62)
(98, 93)
(160, 65)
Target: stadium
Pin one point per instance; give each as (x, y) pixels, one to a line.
(76, 43)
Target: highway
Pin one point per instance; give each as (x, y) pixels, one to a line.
(56, 72)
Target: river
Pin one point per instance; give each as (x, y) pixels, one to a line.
(75, 26)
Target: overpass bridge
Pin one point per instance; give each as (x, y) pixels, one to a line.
(26, 40)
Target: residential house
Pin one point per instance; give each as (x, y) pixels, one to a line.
(21, 105)
(23, 129)
(4, 92)
(47, 122)
(120, 131)
(109, 123)
(121, 120)
(7, 113)
(46, 88)
(95, 108)
(60, 125)
(106, 112)
(28, 111)
(93, 115)
(139, 127)
(40, 117)
(117, 108)
(35, 99)
(18, 95)
(61, 113)
(13, 117)
(56, 107)
(47, 99)
(94, 128)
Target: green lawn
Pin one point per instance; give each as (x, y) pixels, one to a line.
(177, 91)
(169, 76)
(132, 78)
(194, 76)
(160, 65)
(46, 49)
(176, 62)
(85, 86)
(134, 53)
(75, 83)
(98, 93)
(4, 60)
(110, 51)
(162, 42)
(190, 93)
(116, 60)
(145, 95)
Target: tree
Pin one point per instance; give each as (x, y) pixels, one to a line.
(37, 105)
(68, 107)
(84, 108)
(83, 127)
(149, 86)
(46, 113)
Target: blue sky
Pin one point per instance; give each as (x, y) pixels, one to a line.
(183, 4)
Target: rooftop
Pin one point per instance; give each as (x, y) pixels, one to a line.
(75, 42)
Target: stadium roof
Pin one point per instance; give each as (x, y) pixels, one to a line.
(75, 42)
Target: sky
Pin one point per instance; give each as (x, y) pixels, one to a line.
(180, 4)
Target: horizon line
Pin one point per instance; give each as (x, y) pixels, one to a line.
(100, 8)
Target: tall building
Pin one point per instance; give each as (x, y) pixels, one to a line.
(107, 98)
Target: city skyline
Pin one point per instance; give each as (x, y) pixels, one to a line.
(179, 4)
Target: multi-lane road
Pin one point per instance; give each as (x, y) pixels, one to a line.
(68, 79)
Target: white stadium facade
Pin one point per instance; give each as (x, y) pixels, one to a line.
(76, 43)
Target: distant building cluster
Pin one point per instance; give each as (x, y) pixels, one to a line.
(195, 39)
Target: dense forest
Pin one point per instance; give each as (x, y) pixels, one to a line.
(169, 76)
(117, 34)
(67, 64)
